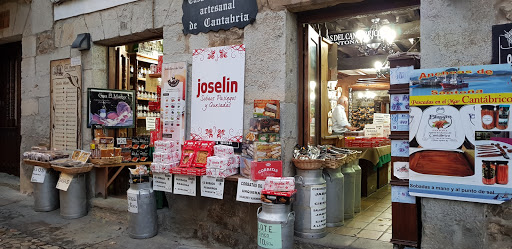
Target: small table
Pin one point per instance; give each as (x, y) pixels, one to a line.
(372, 161)
(102, 179)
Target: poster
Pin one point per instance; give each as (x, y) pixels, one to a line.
(218, 93)
(502, 43)
(110, 108)
(65, 105)
(174, 81)
(461, 146)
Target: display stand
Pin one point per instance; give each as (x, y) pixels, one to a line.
(103, 181)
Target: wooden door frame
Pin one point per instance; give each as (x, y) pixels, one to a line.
(323, 15)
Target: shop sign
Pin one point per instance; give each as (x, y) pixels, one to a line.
(249, 191)
(461, 144)
(162, 182)
(212, 187)
(64, 181)
(38, 174)
(269, 235)
(217, 103)
(110, 108)
(185, 185)
(318, 205)
(213, 15)
(502, 43)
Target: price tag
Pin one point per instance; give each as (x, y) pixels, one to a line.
(249, 191)
(269, 235)
(162, 182)
(133, 206)
(150, 123)
(38, 174)
(212, 187)
(121, 140)
(64, 181)
(185, 185)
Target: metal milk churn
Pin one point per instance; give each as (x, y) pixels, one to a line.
(335, 197)
(275, 226)
(142, 219)
(357, 201)
(46, 196)
(349, 190)
(310, 206)
(73, 202)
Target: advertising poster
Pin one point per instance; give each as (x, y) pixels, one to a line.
(218, 93)
(110, 108)
(174, 80)
(460, 137)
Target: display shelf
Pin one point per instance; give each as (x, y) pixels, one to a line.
(141, 79)
(146, 99)
(155, 75)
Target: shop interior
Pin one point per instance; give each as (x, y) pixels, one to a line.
(353, 62)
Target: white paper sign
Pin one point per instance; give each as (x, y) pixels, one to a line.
(380, 118)
(185, 185)
(399, 75)
(400, 148)
(399, 122)
(401, 194)
(64, 181)
(76, 61)
(401, 170)
(162, 182)
(38, 174)
(121, 140)
(212, 187)
(133, 206)
(249, 191)
(150, 123)
(318, 204)
(217, 103)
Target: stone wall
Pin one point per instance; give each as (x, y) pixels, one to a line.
(455, 33)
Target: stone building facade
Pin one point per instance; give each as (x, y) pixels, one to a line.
(454, 32)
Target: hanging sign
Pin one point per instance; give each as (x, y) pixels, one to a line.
(212, 187)
(249, 191)
(218, 94)
(213, 15)
(174, 81)
(502, 43)
(64, 181)
(318, 204)
(269, 236)
(162, 182)
(38, 174)
(461, 146)
(133, 205)
(185, 185)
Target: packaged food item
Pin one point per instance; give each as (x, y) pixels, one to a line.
(261, 170)
(126, 153)
(135, 156)
(139, 170)
(221, 173)
(245, 166)
(261, 151)
(279, 184)
(488, 172)
(223, 150)
(264, 125)
(275, 197)
(262, 137)
(218, 162)
(117, 151)
(187, 159)
(204, 149)
(266, 108)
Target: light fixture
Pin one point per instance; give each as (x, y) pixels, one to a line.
(82, 42)
(378, 65)
(312, 85)
(376, 38)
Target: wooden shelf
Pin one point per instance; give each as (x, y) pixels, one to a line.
(155, 75)
(141, 79)
(146, 99)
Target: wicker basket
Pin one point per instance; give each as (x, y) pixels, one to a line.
(106, 160)
(45, 165)
(74, 170)
(308, 164)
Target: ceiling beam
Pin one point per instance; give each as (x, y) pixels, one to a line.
(359, 62)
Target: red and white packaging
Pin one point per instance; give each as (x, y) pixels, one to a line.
(221, 173)
(235, 160)
(157, 157)
(223, 151)
(278, 193)
(215, 162)
(280, 184)
(261, 170)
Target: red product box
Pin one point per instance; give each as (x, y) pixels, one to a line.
(261, 170)
(279, 193)
(160, 62)
(204, 149)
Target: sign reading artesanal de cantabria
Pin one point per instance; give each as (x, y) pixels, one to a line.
(213, 15)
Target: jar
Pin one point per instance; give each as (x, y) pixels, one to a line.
(502, 113)
(488, 117)
(502, 172)
(488, 172)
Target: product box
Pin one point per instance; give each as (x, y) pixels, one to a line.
(278, 197)
(135, 156)
(203, 150)
(260, 151)
(266, 108)
(261, 170)
(261, 137)
(264, 125)
(126, 153)
(143, 155)
(279, 184)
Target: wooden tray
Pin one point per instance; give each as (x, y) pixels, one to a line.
(45, 165)
(445, 163)
(73, 170)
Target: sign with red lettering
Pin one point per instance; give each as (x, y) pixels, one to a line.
(217, 103)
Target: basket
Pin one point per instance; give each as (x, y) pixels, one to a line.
(331, 163)
(107, 160)
(308, 164)
(45, 165)
(74, 170)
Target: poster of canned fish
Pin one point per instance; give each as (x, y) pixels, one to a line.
(217, 98)
(110, 108)
(460, 138)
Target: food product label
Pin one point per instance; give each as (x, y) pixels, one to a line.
(269, 235)
(185, 185)
(487, 119)
(212, 187)
(133, 206)
(249, 191)
(64, 181)
(38, 174)
(318, 205)
(162, 182)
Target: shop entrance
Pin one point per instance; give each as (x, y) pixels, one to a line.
(346, 50)
(10, 102)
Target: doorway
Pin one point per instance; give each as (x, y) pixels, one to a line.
(10, 111)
